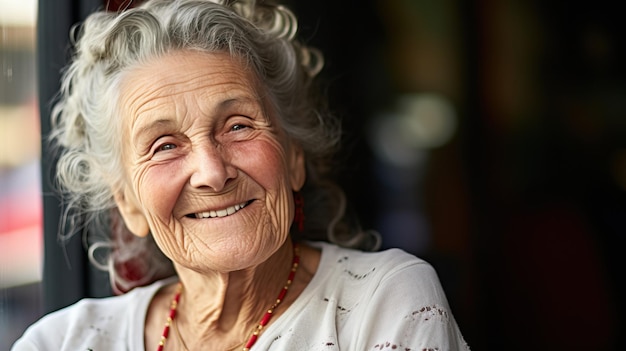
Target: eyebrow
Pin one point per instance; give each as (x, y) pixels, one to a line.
(221, 106)
(240, 100)
(159, 123)
(245, 101)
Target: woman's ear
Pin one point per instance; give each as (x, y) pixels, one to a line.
(297, 167)
(131, 212)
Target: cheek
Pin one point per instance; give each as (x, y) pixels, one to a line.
(159, 187)
(265, 162)
(268, 167)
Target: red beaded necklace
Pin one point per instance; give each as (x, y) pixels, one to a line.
(257, 330)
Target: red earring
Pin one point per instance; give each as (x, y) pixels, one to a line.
(299, 216)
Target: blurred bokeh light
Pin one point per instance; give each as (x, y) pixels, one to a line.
(20, 190)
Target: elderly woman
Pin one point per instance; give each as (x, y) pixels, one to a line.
(195, 121)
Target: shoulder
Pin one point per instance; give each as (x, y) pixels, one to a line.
(390, 257)
(342, 271)
(104, 322)
(389, 296)
(382, 265)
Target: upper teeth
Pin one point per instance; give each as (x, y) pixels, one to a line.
(221, 213)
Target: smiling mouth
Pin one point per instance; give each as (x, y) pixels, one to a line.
(220, 213)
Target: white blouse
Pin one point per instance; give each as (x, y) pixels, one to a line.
(387, 300)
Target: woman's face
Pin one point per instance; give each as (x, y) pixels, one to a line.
(209, 171)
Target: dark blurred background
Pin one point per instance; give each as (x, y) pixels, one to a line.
(488, 137)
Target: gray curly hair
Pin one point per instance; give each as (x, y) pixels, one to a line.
(86, 126)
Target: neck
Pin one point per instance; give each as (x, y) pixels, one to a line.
(228, 305)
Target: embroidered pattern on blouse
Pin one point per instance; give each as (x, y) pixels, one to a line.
(391, 346)
(339, 308)
(352, 274)
(425, 313)
(428, 312)
(358, 276)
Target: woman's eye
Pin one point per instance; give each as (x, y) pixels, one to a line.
(166, 147)
(238, 127)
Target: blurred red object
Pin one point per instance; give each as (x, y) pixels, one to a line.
(21, 233)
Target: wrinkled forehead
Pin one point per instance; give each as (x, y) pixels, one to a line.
(175, 70)
(164, 85)
(216, 75)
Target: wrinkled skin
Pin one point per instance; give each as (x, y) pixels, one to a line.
(199, 138)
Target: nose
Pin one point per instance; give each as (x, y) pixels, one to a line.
(211, 168)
